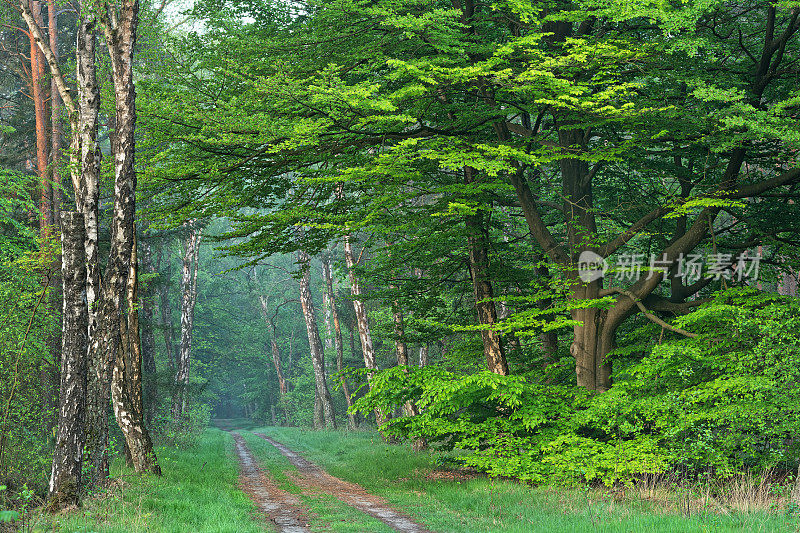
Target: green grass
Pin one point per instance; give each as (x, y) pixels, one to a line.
(197, 493)
(228, 424)
(484, 504)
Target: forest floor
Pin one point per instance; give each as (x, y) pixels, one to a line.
(293, 480)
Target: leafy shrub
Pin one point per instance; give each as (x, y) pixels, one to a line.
(184, 432)
(725, 402)
(298, 404)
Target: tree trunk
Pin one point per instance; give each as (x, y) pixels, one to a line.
(319, 414)
(338, 341)
(120, 282)
(323, 396)
(38, 93)
(276, 353)
(423, 355)
(126, 383)
(51, 372)
(65, 478)
(85, 157)
(422, 360)
(188, 300)
(55, 115)
(362, 320)
(549, 338)
(478, 239)
(326, 305)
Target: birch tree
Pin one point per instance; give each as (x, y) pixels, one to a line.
(65, 478)
(323, 401)
(337, 338)
(191, 251)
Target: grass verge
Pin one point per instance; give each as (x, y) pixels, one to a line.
(410, 482)
(198, 493)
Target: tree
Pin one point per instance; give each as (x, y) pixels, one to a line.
(324, 415)
(65, 478)
(191, 251)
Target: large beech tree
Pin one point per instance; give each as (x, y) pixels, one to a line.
(609, 127)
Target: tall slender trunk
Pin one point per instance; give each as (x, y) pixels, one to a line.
(424, 349)
(423, 355)
(85, 158)
(362, 320)
(326, 306)
(65, 478)
(337, 340)
(120, 280)
(126, 384)
(55, 115)
(478, 239)
(39, 94)
(323, 401)
(148, 341)
(55, 196)
(188, 300)
(273, 338)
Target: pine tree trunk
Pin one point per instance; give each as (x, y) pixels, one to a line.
(65, 478)
(478, 239)
(39, 94)
(188, 300)
(362, 320)
(338, 341)
(323, 395)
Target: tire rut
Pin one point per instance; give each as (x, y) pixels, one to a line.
(314, 478)
(282, 508)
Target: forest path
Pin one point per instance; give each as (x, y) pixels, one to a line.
(282, 508)
(313, 478)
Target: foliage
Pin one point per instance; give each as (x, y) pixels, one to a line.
(26, 322)
(459, 500)
(184, 433)
(722, 405)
